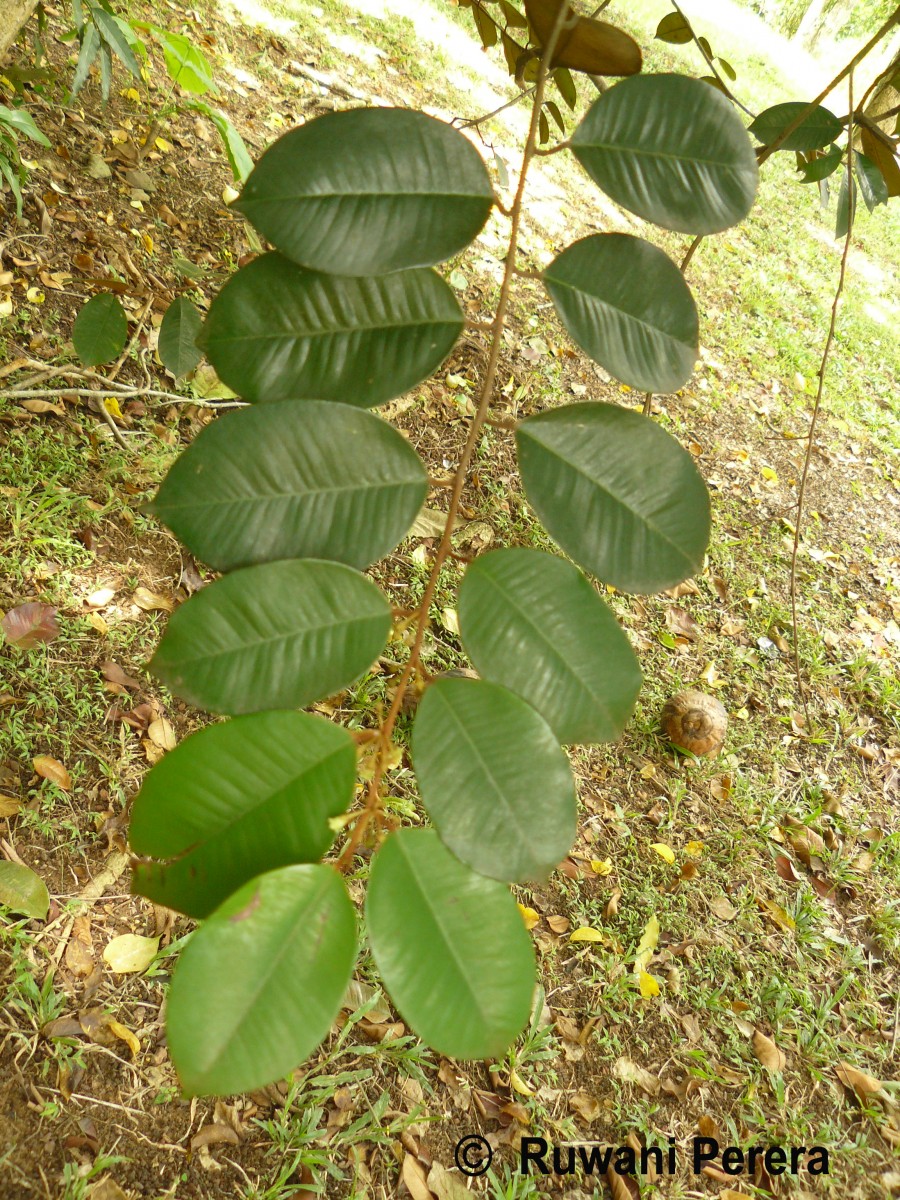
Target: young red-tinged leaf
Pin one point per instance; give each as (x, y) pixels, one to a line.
(52, 769)
(29, 624)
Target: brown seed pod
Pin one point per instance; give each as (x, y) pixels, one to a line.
(696, 722)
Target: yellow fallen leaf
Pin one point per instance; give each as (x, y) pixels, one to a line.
(648, 943)
(125, 1035)
(9, 806)
(529, 916)
(149, 601)
(694, 849)
(35, 295)
(111, 404)
(601, 866)
(147, 241)
(769, 473)
(130, 953)
(663, 851)
(517, 1083)
(585, 934)
(162, 734)
(648, 985)
(162, 144)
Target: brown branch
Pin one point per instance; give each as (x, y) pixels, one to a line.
(810, 444)
(373, 796)
(854, 62)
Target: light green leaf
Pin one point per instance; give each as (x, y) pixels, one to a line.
(235, 800)
(313, 480)
(100, 330)
(279, 332)
(493, 779)
(109, 30)
(187, 67)
(90, 48)
(872, 185)
(617, 493)
(260, 984)
(368, 191)
(815, 131)
(626, 304)
(674, 28)
(178, 337)
(823, 166)
(451, 947)
(533, 622)
(280, 635)
(22, 891)
(22, 121)
(671, 150)
(235, 147)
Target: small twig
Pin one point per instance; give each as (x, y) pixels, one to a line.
(709, 62)
(553, 149)
(101, 410)
(810, 445)
(474, 122)
(119, 393)
(137, 333)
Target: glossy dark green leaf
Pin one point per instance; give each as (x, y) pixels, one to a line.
(279, 332)
(275, 636)
(617, 493)
(627, 305)
(22, 891)
(260, 984)
(450, 945)
(494, 780)
(235, 800)
(368, 191)
(823, 166)
(818, 129)
(100, 330)
(178, 337)
(872, 186)
(533, 622)
(671, 150)
(314, 480)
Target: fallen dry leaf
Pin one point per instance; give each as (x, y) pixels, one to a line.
(211, 1134)
(446, 1185)
(53, 770)
(631, 1072)
(559, 924)
(130, 953)
(865, 1086)
(161, 733)
(28, 625)
(586, 1105)
(151, 601)
(413, 1175)
(771, 1057)
(722, 907)
(113, 673)
(9, 806)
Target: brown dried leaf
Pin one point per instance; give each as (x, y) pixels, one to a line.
(708, 1128)
(631, 1072)
(446, 1185)
(865, 1086)
(152, 601)
(42, 406)
(413, 1175)
(161, 733)
(209, 1135)
(681, 623)
(52, 769)
(722, 907)
(559, 924)
(9, 806)
(113, 673)
(28, 624)
(586, 1105)
(771, 1057)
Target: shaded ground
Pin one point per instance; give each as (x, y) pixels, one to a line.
(780, 912)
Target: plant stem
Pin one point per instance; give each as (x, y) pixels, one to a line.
(810, 443)
(444, 550)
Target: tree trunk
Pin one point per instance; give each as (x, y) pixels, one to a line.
(13, 15)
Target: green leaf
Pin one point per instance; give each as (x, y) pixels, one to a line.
(22, 121)
(314, 480)
(260, 984)
(22, 891)
(100, 330)
(235, 147)
(872, 186)
(187, 67)
(280, 635)
(845, 203)
(105, 71)
(815, 131)
(109, 30)
(562, 77)
(823, 166)
(90, 48)
(617, 493)
(451, 947)
(673, 28)
(493, 779)
(727, 69)
(235, 800)
(533, 622)
(368, 191)
(278, 332)
(626, 304)
(671, 150)
(8, 172)
(177, 337)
